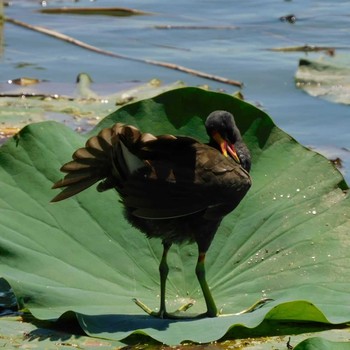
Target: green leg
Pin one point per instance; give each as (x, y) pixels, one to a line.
(163, 272)
(212, 310)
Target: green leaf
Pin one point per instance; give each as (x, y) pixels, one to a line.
(322, 344)
(288, 240)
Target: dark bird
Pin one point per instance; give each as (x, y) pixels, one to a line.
(172, 187)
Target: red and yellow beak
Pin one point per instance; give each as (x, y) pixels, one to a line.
(226, 146)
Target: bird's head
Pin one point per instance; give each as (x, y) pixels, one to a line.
(225, 136)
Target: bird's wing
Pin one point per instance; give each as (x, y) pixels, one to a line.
(162, 185)
(181, 176)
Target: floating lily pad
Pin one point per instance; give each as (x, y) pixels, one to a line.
(80, 107)
(327, 78)
(288, 240)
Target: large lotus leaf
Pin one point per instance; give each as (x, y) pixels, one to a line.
(288, 239)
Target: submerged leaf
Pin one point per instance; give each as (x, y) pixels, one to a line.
(288, 240)
(305, 48)
(104, 11)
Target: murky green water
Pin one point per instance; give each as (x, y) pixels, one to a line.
(240, 53)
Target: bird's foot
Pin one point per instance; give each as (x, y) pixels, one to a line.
(257, 305)
(163, 313)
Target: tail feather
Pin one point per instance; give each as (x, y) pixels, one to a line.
(99, 142)
(107, 134)
(74, 177)
(74, 188)
(109, 156)
(80, 164)
(89, 152)
(90, 164)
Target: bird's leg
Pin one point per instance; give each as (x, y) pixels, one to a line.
(212, 310)
(163, 272)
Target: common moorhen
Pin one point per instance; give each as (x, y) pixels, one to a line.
(172, 187)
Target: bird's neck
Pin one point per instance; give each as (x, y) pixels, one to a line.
(214, 144)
